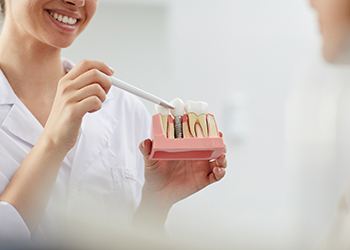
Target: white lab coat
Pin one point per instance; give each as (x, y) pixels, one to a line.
(318, 132)
(102, 174)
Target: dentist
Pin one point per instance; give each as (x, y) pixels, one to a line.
(69, 143)
(319, 138)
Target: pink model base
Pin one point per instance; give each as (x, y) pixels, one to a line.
(184, 149)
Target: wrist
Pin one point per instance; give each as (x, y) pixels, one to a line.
(155, 201)
(153, 210)
(51, 146)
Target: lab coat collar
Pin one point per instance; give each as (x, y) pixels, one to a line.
(19, 121)
(7, 95)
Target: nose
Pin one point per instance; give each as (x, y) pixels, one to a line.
(77, 3)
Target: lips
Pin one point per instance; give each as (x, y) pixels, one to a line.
(63, 20)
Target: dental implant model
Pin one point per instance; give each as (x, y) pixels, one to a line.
(178, 113)
(188, 132)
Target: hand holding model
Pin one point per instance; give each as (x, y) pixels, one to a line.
(169, 181)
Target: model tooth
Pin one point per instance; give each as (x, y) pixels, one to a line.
(185, 127)
(164, 113)
(171, 127)
(203, 108)
(179, 109)
(192, 107)
(202, 129)
(197, 113)
(212, 126)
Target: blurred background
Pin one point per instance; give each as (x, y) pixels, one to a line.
(252, 61)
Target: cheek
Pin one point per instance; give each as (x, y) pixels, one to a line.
(90, 11)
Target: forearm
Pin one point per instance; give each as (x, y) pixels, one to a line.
(29, 189)
(152, 212)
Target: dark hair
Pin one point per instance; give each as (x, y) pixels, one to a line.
(2, 6)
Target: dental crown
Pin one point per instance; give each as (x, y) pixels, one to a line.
(190, 120)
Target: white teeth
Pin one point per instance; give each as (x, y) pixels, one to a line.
(161, 110)
(191, 107)
(64, 19)
(203, 107)
(197, 113)
(198, 108)
(179, 107)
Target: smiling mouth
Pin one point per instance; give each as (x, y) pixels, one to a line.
(65, 20)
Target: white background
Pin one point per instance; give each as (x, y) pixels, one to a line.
(242, 57)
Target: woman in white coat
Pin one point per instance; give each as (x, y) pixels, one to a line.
(319, 120)
(70, 142)
(334, 21)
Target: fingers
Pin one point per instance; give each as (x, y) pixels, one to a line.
(85, 87)
(217, 175)
(85, 66)
(88, 105)
(146, 148)
(220, 162)
(218, 169)
(91, 90)
(90, 77)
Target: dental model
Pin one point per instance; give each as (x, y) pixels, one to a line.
(178, 113)
(195, 122)
(164, 116)
(188, 132)
(197, 115)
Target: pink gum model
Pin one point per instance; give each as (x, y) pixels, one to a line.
(186, 148)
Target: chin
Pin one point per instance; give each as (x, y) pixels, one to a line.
(64, 45)
(60, 44)
(339, 56)
(329, 56)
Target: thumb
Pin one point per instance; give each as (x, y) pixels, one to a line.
(146, 147)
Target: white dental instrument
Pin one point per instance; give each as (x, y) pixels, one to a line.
(140, 93)
(131, 89)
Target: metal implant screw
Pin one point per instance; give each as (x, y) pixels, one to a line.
(178, 127)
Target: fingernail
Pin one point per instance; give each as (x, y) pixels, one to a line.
(221, 170)
(111, 69)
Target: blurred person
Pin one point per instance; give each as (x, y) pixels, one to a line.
(334, 22)
(319, 129)
(69, 143)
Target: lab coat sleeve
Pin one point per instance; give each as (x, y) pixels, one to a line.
(12, 225)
